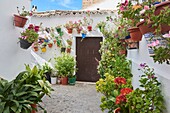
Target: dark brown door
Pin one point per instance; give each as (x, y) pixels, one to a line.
(87, 52)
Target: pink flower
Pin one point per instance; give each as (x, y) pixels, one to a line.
(155, 43)
(167, 35)
(146, 7)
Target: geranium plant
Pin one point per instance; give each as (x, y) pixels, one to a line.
(30, 34)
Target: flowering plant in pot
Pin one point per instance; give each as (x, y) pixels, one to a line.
(101, 25)
(65, 66)
(114, 91)
(35, 46)
(20, 20)
(131, 12)
(43, 47)
(69, 26)
(148, 98)
(70, 41)
(50, 44)
(28, 36)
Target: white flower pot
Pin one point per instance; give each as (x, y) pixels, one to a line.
(53, 80)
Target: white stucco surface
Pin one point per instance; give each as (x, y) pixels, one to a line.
(12, 57)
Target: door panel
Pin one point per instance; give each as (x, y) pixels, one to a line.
(86, 52)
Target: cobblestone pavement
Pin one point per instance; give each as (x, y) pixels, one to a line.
(81, 98)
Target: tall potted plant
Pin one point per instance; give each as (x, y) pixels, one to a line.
(65, 66)
(47, 71)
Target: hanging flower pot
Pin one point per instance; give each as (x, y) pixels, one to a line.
(161, 6)
(83, 35)
(20, 21)
(117, 110)
(50, 45)
(145, 28)
(35, 48)
(70, 30)
(135, 34)
(68, 50)
(54, 41)
(24, 44)
(78, 31)
(43, 49)
(63, 49)
(89, 27)
(130, 43)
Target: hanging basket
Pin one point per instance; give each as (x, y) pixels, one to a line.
(20, 21)
(24, 44)
(135, 34)
(145, 28)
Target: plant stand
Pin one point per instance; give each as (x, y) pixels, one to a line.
(20, 21)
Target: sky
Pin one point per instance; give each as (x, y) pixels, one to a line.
(46, 5)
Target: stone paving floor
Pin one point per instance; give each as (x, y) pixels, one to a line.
(81, 98)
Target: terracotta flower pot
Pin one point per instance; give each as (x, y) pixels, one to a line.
(20, 21)
(78, 31)
(161, 6)
(145, 28)
(70, 30)
(117, 110)
(135, 34)
(122, 52)
(50, 45)
(64, 80)
(35, 49)
(165, 28)
(34, 106)
(69, 43)
(68, 50)
(89, 28)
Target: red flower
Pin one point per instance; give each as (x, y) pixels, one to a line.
(121, 98)
(125, 91)
(120, 80)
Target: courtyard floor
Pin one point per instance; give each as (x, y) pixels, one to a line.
(81, 98)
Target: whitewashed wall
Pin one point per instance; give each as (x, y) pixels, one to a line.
(12, 57)
(53, 21)
(162, 71)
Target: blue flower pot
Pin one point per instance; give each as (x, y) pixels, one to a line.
(83, 35)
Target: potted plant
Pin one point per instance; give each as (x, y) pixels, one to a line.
(29, 87)
(58, 29)
(132, 13)
(69, 42)
(47, 71)
(20, 20)
(43, 47)
(50, 44)
(68, 49)
(35, 46)
(28, 36)
(83, 33)
(54, 77)
(101, 25)
(65, 66)
(69, 27)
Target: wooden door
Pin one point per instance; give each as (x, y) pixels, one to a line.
(87, 51)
